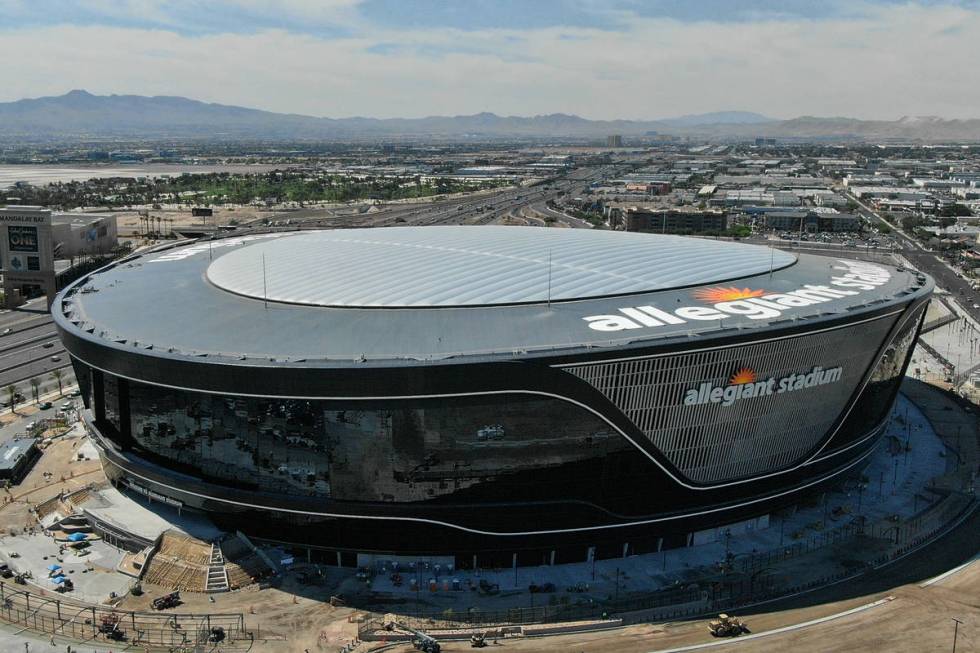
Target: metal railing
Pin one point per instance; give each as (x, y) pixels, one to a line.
(55, 615)
(746, 582)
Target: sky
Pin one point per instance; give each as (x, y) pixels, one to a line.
(600, 59)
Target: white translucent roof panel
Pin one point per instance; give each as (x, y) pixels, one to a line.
(478, 266)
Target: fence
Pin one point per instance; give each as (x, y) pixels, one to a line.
(747, 583)
(736, 587)
(55, 616)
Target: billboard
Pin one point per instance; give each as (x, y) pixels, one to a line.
(22, 239)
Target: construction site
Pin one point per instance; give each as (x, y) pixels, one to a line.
(86, 562)
(101, 548)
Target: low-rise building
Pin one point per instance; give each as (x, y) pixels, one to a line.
(674, 221)
(78, 234)
(811, 222)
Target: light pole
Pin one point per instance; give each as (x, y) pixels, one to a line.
(956, 631)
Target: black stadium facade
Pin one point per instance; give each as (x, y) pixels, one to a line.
(486, 391)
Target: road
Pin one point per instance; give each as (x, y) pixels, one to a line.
(479, 209)
(30, 348)
(930, 263)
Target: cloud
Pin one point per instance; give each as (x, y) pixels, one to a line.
(886, 62)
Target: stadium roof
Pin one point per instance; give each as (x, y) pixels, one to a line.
(452, 266)
(418, 295)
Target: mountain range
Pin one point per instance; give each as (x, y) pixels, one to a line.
(79, 114)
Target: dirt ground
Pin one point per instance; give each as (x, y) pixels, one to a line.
(128, 222)
(64, 473)
(915, 620)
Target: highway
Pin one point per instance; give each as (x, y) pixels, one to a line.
(477, 209)
(28, 348)
(930, 263)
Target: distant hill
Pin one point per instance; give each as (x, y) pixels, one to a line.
(719, 118)
(79, 114)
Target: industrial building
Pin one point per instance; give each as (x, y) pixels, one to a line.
(806, 221)
(673, 221)
(495, 394)
(17, 457)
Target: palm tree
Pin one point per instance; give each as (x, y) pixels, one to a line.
(58, 376)
(35, 384)
(11, 396)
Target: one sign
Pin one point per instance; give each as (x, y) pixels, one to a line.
(22, 239)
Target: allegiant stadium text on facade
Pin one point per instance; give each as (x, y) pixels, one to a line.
(752, 304)
(729, 394)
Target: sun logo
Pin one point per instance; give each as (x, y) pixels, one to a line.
(720, 294)
(743, 376)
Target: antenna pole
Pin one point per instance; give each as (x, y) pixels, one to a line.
(265, 285)
(549, 279)
(772, 255)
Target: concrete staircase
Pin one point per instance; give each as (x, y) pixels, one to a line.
(217, 580)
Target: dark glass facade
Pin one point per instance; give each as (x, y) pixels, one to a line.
(874, 402)
(396, 451)
(572, 463)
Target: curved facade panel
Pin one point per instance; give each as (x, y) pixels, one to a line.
(731, 412)
(624, 422)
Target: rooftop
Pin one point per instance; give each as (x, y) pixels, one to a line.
(419, 295)
(488, 266)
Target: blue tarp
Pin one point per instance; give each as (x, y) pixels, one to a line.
(58, 580)
(77, 537)
(54, 567)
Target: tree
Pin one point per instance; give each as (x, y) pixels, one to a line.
(58, 376)
(12, 397)
(35, 384)
(953, 210)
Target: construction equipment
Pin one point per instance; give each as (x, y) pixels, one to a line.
(171, 600)
(421, 641)
(110, 627)
(726, 626)
(478, 640)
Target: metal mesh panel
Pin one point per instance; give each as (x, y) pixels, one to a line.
(711, 442)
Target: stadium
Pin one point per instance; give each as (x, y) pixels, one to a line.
(488, 393)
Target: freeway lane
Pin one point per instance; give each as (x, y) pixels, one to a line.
(22, 352)
(484, 208)
(928, 262)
